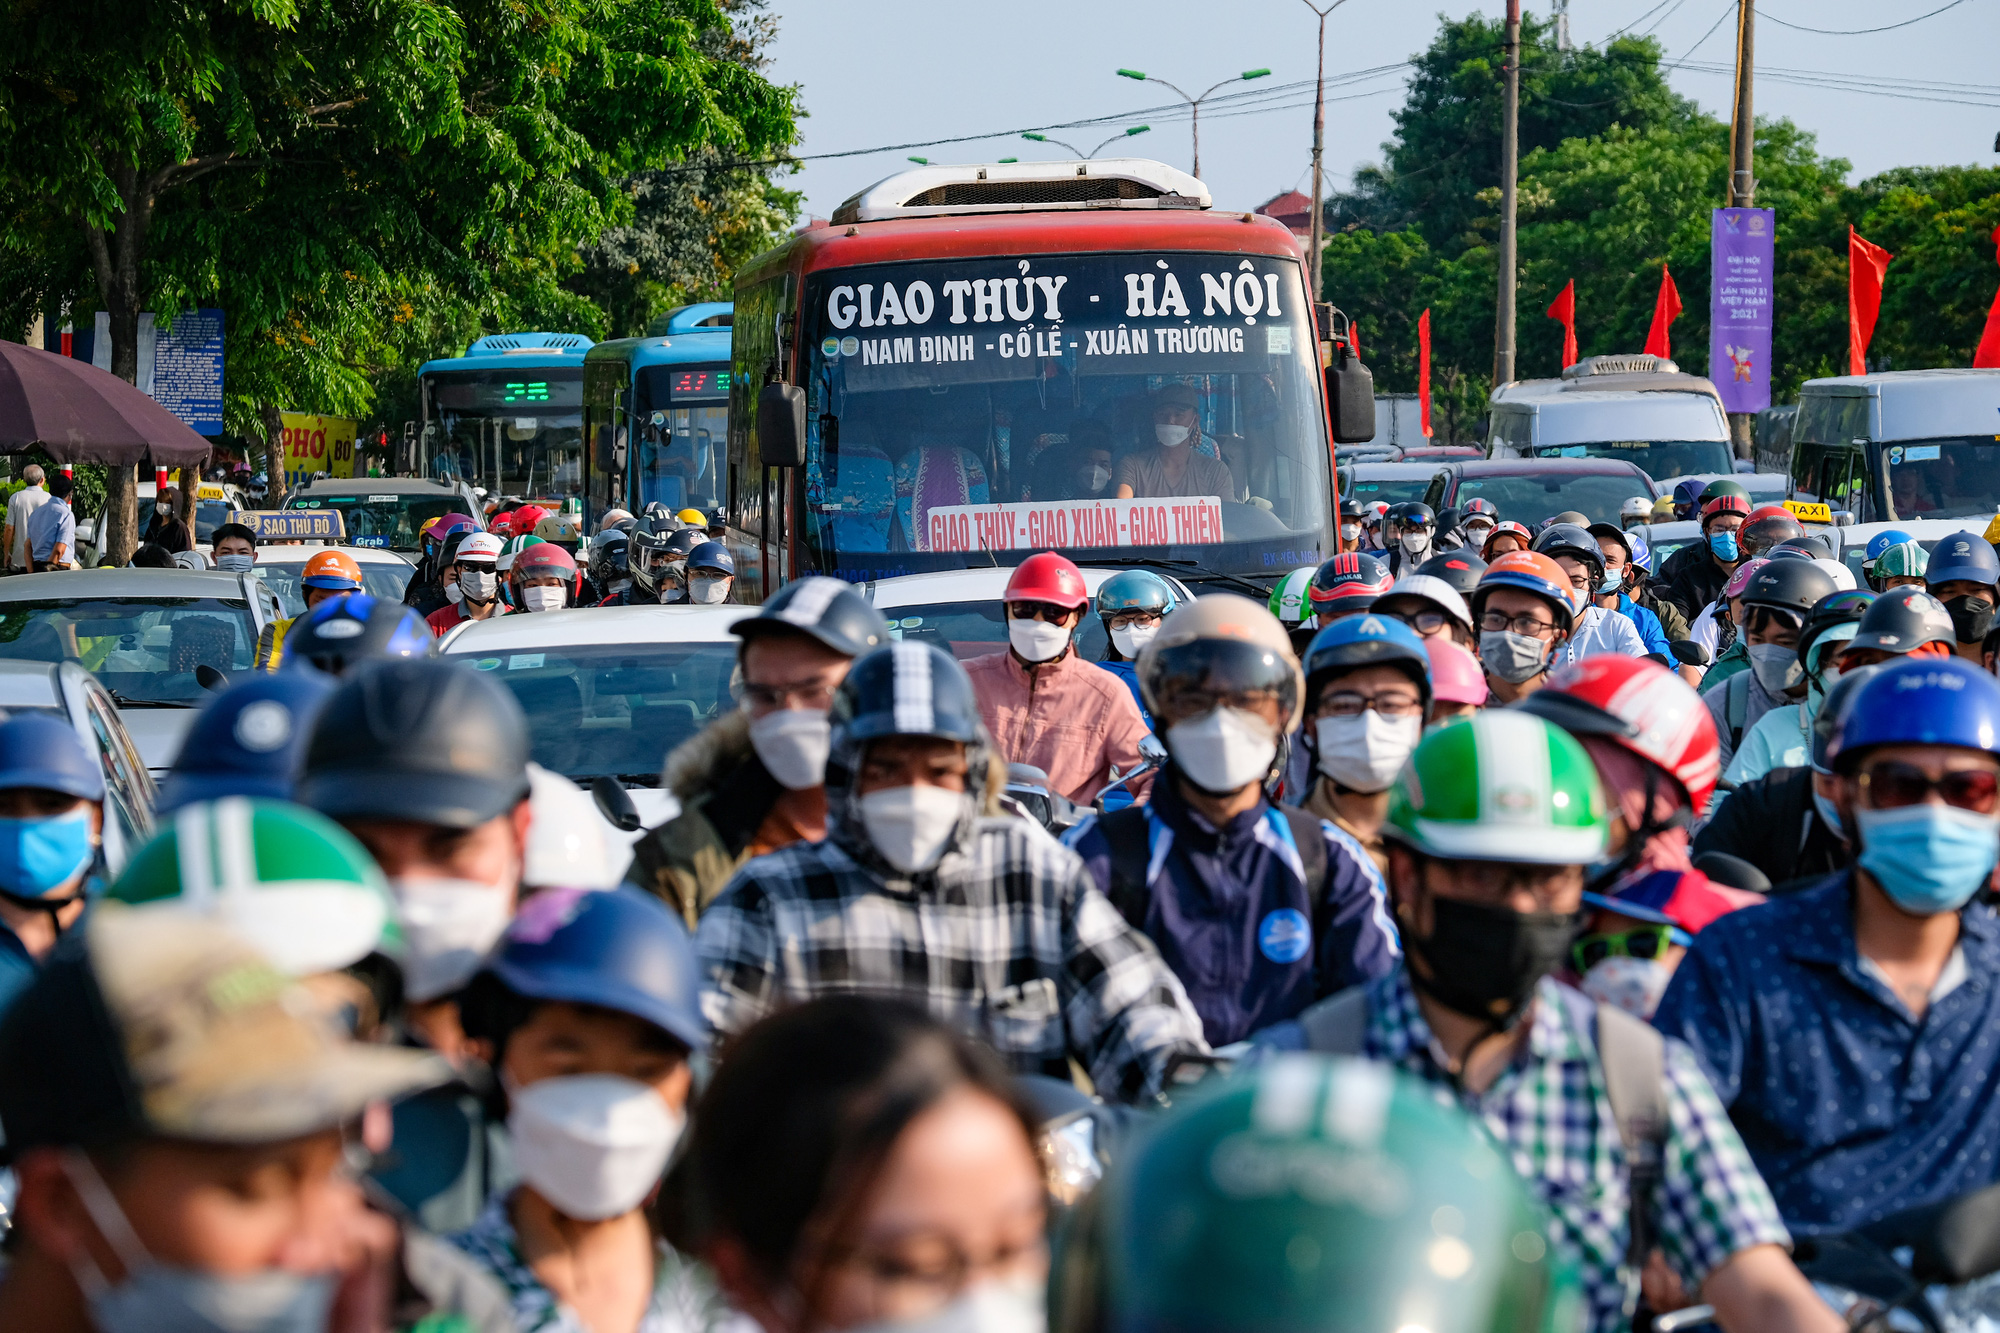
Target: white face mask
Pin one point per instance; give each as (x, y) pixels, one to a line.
(543, 597)
(453, 593)
(1224, 750)
(1099, 477)
(236, 563)
(793, 744)
(1037, 640)
(1350, 532)
(912, 826)
(704, 591)
(1632, 984)
(479, 585)
(1005, 1306)
(448, 926)
(1416, 541)
(1366, 753)
(1131, 638)
(1170, 435)
(1477, 533)
(591, 1144)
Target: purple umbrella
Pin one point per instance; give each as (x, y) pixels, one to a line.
(81, 414)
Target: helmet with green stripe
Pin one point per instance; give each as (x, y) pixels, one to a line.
(293, 883)
(1312, 1195)
(1290, 601)
(1501, 786)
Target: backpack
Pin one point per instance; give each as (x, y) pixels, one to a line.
(1128, 834)
(1634, 1056)
(1737, 707)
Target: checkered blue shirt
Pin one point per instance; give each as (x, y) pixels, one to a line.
(1007, 937)
(1549, 1109)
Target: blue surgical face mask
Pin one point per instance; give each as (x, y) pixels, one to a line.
(1724, 546)
(1928, 858)
(39, 856)
(1830, 813)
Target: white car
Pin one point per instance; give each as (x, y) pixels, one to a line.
(383, 573)
(610, 690)
(67, 691)
(960, 610)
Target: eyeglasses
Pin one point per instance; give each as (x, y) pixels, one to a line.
(1048, 611)
(1127, 619)
(1498, 881)
(1496, 621)
(1890, 785)
(1193, 701)
(1354, 705)
(1647, 942)
(811, 694)
(1423, 622)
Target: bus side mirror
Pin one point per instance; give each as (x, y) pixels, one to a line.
(1350, 390)
(781, 425)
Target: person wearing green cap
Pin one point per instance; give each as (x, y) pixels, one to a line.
(1226, 1217)
(1490, 828)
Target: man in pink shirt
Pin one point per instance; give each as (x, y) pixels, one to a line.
(1043, 705)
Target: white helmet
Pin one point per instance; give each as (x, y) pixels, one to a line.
(567, 844)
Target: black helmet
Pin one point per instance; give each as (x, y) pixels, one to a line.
(827, 609)
(1352, 509)
(610, 558)
(1461, 569)
(1560, 539)
(1789, 585)
(656, 543)
(1903, 619)
(347, 631)
(417, 739)
(1815, 546)
(1411, 513)
(1845, 607)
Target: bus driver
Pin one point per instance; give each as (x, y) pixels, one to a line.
(1173, 467)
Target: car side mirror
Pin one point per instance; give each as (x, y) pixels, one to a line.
(615, 803)
(209, 678)
(1350, 394)
(781, 425)
(1689, 653)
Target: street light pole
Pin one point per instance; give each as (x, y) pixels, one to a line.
(1122, 134)
(1319, 140)
(1503, 314)
(1194, 103)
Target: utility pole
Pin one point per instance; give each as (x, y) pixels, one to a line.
(1319, 142)
(1742, 168)
(1510, 127)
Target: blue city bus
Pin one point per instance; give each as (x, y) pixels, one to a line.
(656, 414)
(507, 417)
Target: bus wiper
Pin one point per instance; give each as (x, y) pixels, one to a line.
(127, 701)
(1215, 576)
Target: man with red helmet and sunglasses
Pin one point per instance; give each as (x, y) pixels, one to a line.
(1853, 1029)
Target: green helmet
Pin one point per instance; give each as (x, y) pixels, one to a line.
(1501, 786)
(512, 547)
(291, 882)
(1903, 560)
(1312, 1195)
(1290, 601)
(1721, 486)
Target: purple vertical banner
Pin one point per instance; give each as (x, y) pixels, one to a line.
(1740, 306)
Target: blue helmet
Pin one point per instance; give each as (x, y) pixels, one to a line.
(1881, 542)
(338, 634)
(712, 555)
(37, 750)
(1362, 641)
(1921, 701)
(904, 689)
(1134, 590)
(1642, 550)
(1962, 555)
(249, 741)
(618, 949)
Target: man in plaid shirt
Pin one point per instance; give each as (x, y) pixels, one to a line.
(915, 892)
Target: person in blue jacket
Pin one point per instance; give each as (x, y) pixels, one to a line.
(1614, 592)
(1131, 605)
(51, 841)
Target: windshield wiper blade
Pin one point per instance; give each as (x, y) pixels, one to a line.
(1215, 576)
(127, 701)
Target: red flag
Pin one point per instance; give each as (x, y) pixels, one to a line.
(1564, 308)
(1988, 355)
(1867, 264)
(1666, 309)
(1424, 368)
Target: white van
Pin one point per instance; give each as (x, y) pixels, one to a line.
(1639, 409)
(1901, 445)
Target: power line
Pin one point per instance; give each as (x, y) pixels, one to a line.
(1857, 32)
(1729, 9)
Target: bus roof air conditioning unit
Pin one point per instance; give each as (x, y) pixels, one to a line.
(1025, 187)
(1639, 364)
(495, 344)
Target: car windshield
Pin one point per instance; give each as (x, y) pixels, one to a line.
(614, 708)
(517, 431)
(1532, 497)
(1952, 477)
(973, 629)
(377, 580)
(1389, 490)
(391, 521)
(1656, 458)
(144, 649)
(208, 516)
(1165, 406)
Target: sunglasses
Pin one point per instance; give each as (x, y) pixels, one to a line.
(1646, 942)
(1043, 611)
(1890, 785)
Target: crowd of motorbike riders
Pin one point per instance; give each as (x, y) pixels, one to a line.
(1492, 931)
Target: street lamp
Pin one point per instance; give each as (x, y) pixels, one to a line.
(1319, 137)
(1194, 103)
(1122, 134)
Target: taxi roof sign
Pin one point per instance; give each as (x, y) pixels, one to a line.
(291, 525)
(1805, 511)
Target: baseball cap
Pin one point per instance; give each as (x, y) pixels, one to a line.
(167, 1024)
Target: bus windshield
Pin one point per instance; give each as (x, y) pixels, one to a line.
(1950, 477)
(1159, 407)
(1658, 459)
(512, 431)
(683, 420)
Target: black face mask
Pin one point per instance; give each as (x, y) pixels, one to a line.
(1971, 617)
(1484, 961)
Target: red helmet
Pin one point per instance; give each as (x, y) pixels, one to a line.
(526, 517)
(1725, 504)
(1050, 578)
(1641, 706)
(1767, 511)
(543, 559)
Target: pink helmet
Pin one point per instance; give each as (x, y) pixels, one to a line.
(1741, 578)
(1456, 677)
